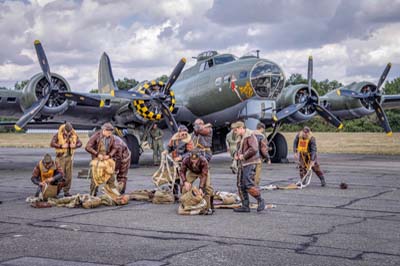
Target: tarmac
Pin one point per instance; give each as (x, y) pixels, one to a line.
(312, 226)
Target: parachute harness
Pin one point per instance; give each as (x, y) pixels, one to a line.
(306, 179)
(167, 173)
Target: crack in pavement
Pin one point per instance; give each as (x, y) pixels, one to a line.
(335, 207)
(183, 252)
(363, 198)
(315, 236)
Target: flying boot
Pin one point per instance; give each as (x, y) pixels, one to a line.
(323, 183)
(245, 203)
(255, 192)
(261, 204)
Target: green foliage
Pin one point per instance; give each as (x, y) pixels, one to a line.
(322, 87)
(19, 85)
(7, 129)
(126, 84)
(163, 78)
(392, 87)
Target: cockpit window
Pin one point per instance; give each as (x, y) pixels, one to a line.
(206, 65)
(222, 59)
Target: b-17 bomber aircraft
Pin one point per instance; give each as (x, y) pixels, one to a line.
(219, 88)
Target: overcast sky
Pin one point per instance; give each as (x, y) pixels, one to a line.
(349, 40)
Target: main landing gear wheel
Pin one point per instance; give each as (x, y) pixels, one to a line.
(134, 147)
(279, 148)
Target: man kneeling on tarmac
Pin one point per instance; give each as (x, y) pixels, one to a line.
(248, 158)
(47, 173)
(196, 166)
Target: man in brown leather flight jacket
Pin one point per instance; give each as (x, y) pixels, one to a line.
(122, 160)
(248, 157)
(102, 145)
(195, 166)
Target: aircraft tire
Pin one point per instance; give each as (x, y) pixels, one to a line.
(279, 150)
(134, 147)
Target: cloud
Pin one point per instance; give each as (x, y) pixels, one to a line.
(145, 39)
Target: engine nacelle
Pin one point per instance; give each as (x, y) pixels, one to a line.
(295, 94)
(33, 91)
(347, 107)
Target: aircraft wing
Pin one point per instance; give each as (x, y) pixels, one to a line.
(391, 101)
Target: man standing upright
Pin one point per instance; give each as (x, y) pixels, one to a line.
(262, 149)
(65, 141)
(305, 150)
(202, 138)
(247, 157)
(102, 146)
(231, 145)
(156, 135)
(122, 160)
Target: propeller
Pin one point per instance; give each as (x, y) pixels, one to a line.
(44, 64)
(372, 98)
(174, 75)
(39, 104)
(49, 90)
(309, 101)
(159, 96)
(31, 112)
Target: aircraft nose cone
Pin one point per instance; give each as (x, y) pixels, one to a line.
(267, 79)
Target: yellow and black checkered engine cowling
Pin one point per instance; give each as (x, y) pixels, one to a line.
(146, 108)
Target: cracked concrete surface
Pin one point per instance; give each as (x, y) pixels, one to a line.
(313, 226)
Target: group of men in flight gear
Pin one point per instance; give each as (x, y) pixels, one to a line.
(104, 147)
(192, 153)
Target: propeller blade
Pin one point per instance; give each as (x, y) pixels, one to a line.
(169, 118)
(328, 116)
(383, 76)
(31, 112)
(288, 111)
(81, 98)
(309, 73)
(350, 93)
(44, 64)
(175, 74)
(132, 95)
(382, 117)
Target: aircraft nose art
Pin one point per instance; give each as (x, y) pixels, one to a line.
(267, 79)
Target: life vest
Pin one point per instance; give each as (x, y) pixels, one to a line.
(302, 146)
(71, 140)
(46, 173)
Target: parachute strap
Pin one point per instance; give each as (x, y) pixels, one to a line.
(306, 179)
(167, 173)
(146, 109)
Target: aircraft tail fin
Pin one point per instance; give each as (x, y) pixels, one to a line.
(106, 78)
